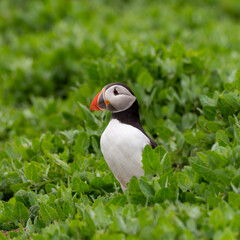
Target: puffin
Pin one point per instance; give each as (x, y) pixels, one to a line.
(124, 138)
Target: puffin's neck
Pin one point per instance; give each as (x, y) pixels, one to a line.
(129, 116)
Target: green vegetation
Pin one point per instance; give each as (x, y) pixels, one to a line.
(181, 59)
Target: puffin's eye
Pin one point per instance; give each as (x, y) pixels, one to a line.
(115, 92)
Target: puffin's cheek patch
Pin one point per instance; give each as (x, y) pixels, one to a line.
(111, 108)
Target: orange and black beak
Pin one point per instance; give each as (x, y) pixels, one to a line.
(98, 103)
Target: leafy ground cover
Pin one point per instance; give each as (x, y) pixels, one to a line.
(181, 58)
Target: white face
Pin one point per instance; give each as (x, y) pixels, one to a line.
(118, 98)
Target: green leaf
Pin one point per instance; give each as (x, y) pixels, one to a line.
(33, 211)
(80, 186)
(19, 186)
(146, 189)
(216, 219)
(101, 218)
(32, 171)
(82, 143)
(236, 134)
(145, 79)
(184, 182)
(222, 138)
(225, 107)
(164, 133)
(190, 138)
(164, 194)
(207, 101)
(193, 138)
(47, 146)
(232, 99)
(235, 223)
(48, 213)
(216, 160)
(97, 182)
(12, 153)
(89, 117)
(20, 212)
(56, 159)
(234, 200)
(134, 192)
(209, 112)
(202, 169)
(88, 217)
(22, 196)
(117, 201)
(188, 120)
(213, 126)
(151, 159)
(227, 234)
(224, 176)
(8, 212)
(213, 201)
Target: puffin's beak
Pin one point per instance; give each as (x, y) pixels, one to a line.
(98, 103)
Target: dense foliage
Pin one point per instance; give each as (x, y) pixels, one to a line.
(181, 59)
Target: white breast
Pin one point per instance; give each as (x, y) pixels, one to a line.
(122, 147)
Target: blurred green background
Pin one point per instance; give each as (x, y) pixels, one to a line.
(49, 46)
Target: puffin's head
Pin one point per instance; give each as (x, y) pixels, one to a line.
(115, 97)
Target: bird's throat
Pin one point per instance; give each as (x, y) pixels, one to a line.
(129, 116)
